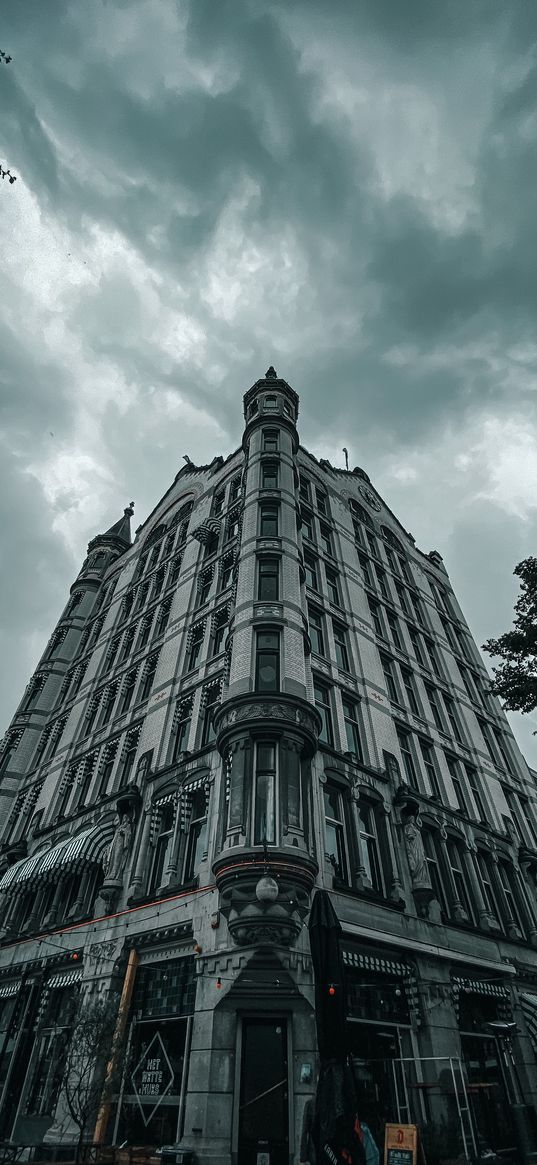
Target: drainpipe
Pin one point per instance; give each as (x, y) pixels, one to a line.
(119, 1033)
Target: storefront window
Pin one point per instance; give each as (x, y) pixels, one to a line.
(150, 1112)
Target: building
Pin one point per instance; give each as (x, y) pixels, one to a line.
(270, 689)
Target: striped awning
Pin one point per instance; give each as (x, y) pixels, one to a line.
(65, 978)
(8, 990)
(73, 853)
(376, 963)
(528, 1004)
(20, 871)
(480, 987)
(192, 786)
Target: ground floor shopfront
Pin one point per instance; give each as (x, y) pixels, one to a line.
(220, 1051)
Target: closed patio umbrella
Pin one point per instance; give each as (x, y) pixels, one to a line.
(336, 1128)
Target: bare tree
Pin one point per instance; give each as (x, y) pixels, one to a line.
(85, 1062)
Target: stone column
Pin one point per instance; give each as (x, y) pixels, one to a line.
(140, 871)
(361, 879)
(470, 867)
(80, 899)
(171, 869)
(241, 751)
(396, 891)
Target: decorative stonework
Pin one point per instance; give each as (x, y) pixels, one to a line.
(283, 710)
(255, 916)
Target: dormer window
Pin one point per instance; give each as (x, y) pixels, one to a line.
(270, 402)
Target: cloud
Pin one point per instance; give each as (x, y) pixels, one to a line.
(345, 192)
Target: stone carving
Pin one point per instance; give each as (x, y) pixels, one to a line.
(116, 855)
(268, 711)
(98, 952)
(419, 871)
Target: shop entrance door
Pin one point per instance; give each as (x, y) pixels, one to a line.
(264, 1103)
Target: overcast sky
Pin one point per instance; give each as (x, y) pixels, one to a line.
(342, 188)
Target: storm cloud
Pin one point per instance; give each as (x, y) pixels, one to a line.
(344, 190)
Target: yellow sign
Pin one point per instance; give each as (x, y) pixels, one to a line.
(400, 1145)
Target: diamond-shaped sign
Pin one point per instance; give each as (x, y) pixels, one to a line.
(152, 1078)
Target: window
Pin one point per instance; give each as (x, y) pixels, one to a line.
(204, 588)
(196, 643)
(35, 687)
(212, 696)
(270, 402)
(106, 767)
(142, 592)
(175, 569)
(148, 677)
(453, 769)
(226, 573)
(235, 489)
(507, 880)
(265, 794)
(352, 727)
(316, 631)
(322, 703)
(366, 571)
(376, 617)
(449, 633)
(405, 571)
(402, 595)
(416, 646)
(407, 756)
(168, 545)
(163, 614)
(211, 545)
(433, 656)
(332, 583)
(218, 503)
(322, 500)
(369, 846)
(340, 637)
(408, 682)
(270, 440)
(459, 878)
(311, 572)
(197, 834)
(432, 847)
(427, 752)
(358, 532)
(393, 624)
(267, 661)
(183, 716)
(326, 539)
(452, 717)
(232, 527)
(268, 579)
(304, 489)
(145, 628)
(390, 559)
(107, 704)
(334, 826)
(432, 695)
(85, 775)
(500, 745)
(473, 784)
(307, 525)
(391, 687)
(462, 644)
(220, 623)
(382, 582)
(487, 885)
(129, 755)
(372, 543)
(269, 475)
(163, 845)
(128, 640)
(112, 653)
(127, 691)
(268, 521)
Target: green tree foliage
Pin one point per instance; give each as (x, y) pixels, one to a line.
(515, 677)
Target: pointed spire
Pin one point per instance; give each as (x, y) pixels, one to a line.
(122, 528)
(119, 532)
(271, 374)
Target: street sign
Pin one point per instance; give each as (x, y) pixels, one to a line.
(152, 1078)
(400, 1145)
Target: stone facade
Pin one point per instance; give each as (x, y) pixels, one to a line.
(270, 690)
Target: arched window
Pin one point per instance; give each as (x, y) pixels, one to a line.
(163, 844)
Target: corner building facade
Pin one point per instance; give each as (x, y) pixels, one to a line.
(270, 690)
